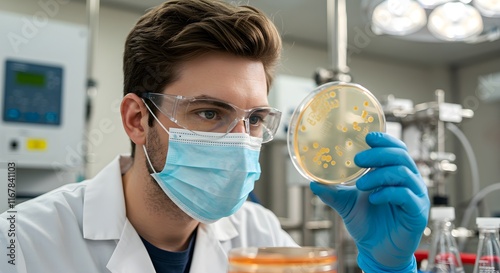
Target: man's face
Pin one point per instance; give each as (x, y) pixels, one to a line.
(236, 80)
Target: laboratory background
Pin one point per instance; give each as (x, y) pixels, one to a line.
(434, 65)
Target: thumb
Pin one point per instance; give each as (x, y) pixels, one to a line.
(340, 198)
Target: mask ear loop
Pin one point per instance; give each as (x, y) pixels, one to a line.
(147, 157)
(144, 147)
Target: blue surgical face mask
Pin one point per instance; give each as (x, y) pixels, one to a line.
(209, 175)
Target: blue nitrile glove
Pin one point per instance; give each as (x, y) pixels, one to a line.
(386, 212)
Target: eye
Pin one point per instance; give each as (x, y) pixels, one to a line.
(255, 120)
(208, 114)
(258, 117)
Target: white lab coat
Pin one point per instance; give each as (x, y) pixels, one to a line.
(83, 227)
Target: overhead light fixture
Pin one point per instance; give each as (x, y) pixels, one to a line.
(455, 21)
(432, 3)
(490, 8)
(398, 17)
(471, 21)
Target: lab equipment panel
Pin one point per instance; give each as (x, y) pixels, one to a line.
(32, 93)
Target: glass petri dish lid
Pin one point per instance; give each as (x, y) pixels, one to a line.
(328, 129)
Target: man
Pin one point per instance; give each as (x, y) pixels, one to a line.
(196, 78)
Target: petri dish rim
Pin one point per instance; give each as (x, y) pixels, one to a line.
(296, 119)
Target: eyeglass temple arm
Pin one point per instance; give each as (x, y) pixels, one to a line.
(171, 101)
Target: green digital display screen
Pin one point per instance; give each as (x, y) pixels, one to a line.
(24, 78)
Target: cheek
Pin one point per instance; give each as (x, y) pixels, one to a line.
(157, 147)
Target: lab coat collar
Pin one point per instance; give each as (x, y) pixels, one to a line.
(130, 254)
(209, 251)
(222, 230)
(104, 203)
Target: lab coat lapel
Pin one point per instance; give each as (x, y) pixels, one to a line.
(212, 244)
(104, 204)
(130, 255)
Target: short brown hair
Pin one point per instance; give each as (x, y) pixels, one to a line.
(180, 30)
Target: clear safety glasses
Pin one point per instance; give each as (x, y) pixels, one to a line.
(210, 115)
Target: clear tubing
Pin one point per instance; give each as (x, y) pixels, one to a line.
(473, 203)
(472, 162)
(478, 197)
(472, 159)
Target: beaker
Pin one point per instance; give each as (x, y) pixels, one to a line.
(488, 249)
(282, 260)
(443, 253)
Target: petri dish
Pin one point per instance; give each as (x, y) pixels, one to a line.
(282, 260)
(328, 129)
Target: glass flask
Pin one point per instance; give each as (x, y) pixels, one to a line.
(282, 260)
(443, 253)
(328, 129)
(488, 249)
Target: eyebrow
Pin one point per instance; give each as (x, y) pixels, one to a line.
(206, 97)
(215, 102)
(217, 99)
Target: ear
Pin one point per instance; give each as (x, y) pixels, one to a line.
(134, 118)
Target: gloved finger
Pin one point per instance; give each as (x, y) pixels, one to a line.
(382, 157)
(341, 198)
(379, 139)
(392, 176)
(414, 205)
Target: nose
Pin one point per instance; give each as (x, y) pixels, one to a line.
(240, 127)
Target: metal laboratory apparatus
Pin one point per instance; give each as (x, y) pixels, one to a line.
(42, 103)
(422, 127)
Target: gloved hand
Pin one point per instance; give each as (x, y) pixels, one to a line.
(386, 212)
